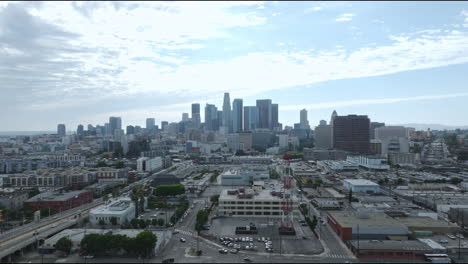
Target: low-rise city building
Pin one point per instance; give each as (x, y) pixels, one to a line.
(361, 185)
(123, 210)
(60, 200)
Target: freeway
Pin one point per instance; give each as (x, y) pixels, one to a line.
(25, 236)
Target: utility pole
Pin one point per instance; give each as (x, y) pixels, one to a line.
(357, 241)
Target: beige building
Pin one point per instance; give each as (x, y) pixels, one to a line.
(265, 203)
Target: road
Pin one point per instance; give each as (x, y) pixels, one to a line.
(27, 235)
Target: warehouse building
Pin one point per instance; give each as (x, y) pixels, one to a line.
(390, 249)
(361, 185)
(368, 225)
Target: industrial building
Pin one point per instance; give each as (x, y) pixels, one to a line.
(361, 185)
(59, 200)
(389, 249)
(368, 225)
(244, 175)
(248, 202)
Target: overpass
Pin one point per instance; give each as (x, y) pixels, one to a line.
(16, 239)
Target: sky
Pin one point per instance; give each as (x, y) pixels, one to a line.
(81, 62)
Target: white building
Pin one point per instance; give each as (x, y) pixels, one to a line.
(369, 162)
(250, 203)
(361, 185)
(122, 209)
(154, 164)
(141, 163)
(245, 175)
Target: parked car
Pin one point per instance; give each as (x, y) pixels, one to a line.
(182, 240)
(223, 251)
(233, 251)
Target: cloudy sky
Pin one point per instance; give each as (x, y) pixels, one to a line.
(81, 62)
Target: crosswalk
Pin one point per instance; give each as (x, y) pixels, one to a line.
(185, 232)
(336, 255)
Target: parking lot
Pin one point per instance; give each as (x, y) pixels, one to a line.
(164, 214)
(304, 242)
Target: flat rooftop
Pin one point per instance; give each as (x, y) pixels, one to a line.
(424, 222)
(366, 220)
(262, 195)
(361, 182)
(55, 196)
(390, 245)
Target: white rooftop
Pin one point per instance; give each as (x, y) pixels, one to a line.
(361, 182)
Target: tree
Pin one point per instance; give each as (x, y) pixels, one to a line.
(455, 180)
(119, 165)
(154, 222)
(142, 223)
(350, 195)
(134, 222)
(113, 220)
(160, 222)
(145, 242)
(400, 181)
(101, 222)
(304, 209)
(101, 164)
(214, 198)
(169, 190)
(314, 222)
(64, 244)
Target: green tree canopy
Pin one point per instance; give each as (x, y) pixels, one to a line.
(64, 244)
(169, 190)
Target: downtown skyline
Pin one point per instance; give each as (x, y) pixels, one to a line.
(353, 57)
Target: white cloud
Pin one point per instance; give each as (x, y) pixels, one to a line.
(336, 104)
(464, 13)
(313, 9)
(345, 17)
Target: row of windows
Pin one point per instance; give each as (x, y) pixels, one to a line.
(251, 213)
(376, 253)
(251, 208)
(242, 202)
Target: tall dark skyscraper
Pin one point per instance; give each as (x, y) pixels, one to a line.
(264, 113)
(274, 116)
(250, 118)
(130, 130)
(237, 115)
(80, 130)
(114, 123)
(196, 115)
(211, 117)
(351, 133)
(227, 114)
(61, 130)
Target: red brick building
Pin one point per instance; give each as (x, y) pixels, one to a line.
(59, 201)
(389, 249)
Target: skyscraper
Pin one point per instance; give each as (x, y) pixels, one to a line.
(274, 116)
(196, 115)
(130, 130)
(264, 113)
(114, 123)
(211, 117)
(303, 119)
(164, 124)
(322, 135)
(185, 117)
(61, 130)
(373, 126)
(237, 115)
(80, 130)
(150, 123)
(250, 118)
(220, 119)
(227, 114)
(351, 133)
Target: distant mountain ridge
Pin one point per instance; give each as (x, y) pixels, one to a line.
(25, 133)
(431, 126)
